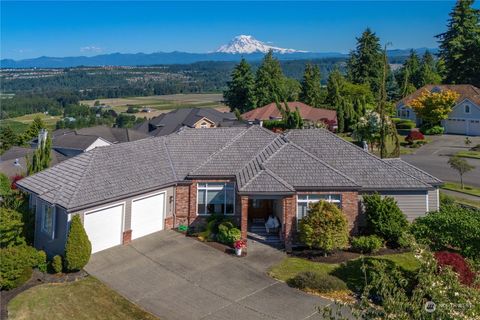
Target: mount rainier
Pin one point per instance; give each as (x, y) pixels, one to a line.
(245, 44)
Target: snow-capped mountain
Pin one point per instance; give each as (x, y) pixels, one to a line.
(244, 44)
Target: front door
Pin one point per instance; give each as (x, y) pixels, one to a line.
(260, 208)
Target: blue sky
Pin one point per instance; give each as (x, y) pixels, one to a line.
(32, 29)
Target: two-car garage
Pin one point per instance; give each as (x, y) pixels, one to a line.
(469, 127)
(105, 226)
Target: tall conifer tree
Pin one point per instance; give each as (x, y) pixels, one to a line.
(269, 81)
(240, 93)
(311, 92)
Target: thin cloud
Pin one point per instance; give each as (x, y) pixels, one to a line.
(92, 49)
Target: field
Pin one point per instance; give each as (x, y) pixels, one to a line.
(19, 124)
(163, 103)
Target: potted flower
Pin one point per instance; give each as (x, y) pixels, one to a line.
(239, 245)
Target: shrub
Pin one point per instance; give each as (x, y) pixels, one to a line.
(4, 185)
(406, 240)
(42, 261)
(384, 218)
(414, 136)
(78, 248)
(227, 233)
(11, 228)
(405, 124)
(57, 265)
(324, 227)
(367, 244)
(475, 148)
(457, 263)
(451, 227)
(430, 131)
(16, 265)
(318, 282)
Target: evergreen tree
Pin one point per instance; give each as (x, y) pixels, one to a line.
(41, 158)
(334, 98)
(393, 90)
(78, 247)
(409, 74)
(291, 89)
(269, 81)
(8, 138)
(32, 130)
(240, 93)
(311, 89)
(460, 44)
(428, 71)
(365, 63)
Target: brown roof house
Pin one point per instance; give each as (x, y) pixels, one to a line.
(133, 189)
(465, 115)
(308, 113)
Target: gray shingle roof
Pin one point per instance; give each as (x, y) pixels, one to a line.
(261, 161)
(170, 122)
(364, 168)
(413, 171)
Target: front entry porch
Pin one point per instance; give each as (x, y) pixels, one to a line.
(258, 214)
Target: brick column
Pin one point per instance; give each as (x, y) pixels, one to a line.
(289, 219)
(244, 216)
(192, 207)
(127, 237)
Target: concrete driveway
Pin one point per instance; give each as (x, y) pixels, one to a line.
(433, 158)
(175, 277)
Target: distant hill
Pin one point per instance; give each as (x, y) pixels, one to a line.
(176, 57)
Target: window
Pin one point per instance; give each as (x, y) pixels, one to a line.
(203, 125)
(218, 197)
(467, 108)
(48, 219)
(304, 200)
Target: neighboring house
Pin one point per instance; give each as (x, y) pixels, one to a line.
(308, 113)
(71, 142)
(465, 115)
(129, 190)
(14, 161)
(170, 122)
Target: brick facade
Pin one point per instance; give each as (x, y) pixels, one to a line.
(186, 210)
(127, 237)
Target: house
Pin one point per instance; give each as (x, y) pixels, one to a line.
(71, 142)
(308, 113)
(170, 122)
(129, 190)
(465, 115)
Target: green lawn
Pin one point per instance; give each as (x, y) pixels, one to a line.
(468, 154)
(19, 124)
(466, 201)
(457, 187)
(390, 144)
(349, 272)
(84, 299)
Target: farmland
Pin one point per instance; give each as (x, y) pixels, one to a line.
(162, 103)
(19, 124)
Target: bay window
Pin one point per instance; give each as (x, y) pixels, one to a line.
(304, 200)
(215, 198)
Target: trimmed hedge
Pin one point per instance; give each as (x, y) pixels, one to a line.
(318, 282)
(78, 248)
(405, 124)
(57, 265)
(435, 130)
(366, 244)
(16, 265)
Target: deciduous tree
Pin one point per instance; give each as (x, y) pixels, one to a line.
(461, 165)
(433, 107)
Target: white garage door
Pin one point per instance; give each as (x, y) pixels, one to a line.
(148, 215)
(104, 227)
(474, 128)
(455, 126)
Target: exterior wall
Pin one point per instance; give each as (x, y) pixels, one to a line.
(402, 111)
(43, 241)
(459, 111)
(413, 204)
(433, 200)
(98, 143)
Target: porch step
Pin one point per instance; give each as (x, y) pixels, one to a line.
(258, 232)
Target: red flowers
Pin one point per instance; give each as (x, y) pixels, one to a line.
(458, 264)
(240, 244)
(413, 136)
(15, 178)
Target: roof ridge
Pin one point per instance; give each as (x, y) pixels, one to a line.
(167, 151)
(229, 143)
(92, 152)
(276, 177)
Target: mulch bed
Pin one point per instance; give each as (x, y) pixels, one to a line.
(338, 256)
(37, 278)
